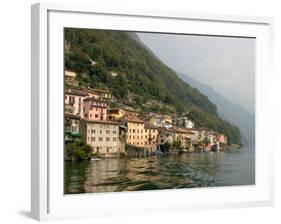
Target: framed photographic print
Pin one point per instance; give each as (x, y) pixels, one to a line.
(138, 111)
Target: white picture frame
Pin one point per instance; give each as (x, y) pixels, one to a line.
(48, 201)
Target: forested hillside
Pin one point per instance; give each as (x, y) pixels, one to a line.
(143, 81)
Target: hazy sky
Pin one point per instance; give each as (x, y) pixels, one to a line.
(227, 64)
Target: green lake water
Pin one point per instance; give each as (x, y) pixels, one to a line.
(186, 170)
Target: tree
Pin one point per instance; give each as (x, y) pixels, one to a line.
(167, 147)
(78, 150)
(177, 144)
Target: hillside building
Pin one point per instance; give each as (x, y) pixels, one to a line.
(73, 101)
(70, 78)
(94, 109)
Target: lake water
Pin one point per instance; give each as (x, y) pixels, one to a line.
(186, 170)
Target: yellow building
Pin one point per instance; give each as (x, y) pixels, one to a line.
(151, 134)
(70, 78)
(115, 114)
(183, 135)
(135, 130)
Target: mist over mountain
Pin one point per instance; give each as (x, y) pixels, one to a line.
(232, 112)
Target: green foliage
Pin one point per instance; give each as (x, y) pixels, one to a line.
(167, 147)
(139, 73)
(138, 70)
(177, 144)
(78, 151)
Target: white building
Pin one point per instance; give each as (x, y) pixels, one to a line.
(73, 101)
(185, 122)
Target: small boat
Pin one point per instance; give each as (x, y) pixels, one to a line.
(95, 159)
(159, 153)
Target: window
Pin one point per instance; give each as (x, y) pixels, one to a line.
(114, 131)
(133, 130)
(100, 131)
(114, 139)
(96, 116)
(107, 139)
(107, 131)
(100, 139)
(93, 139)
(93, 131)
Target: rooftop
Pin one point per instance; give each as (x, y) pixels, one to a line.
(74, 92)
(149, 126)
(72, 116)
(179, 130)
(122, 108)
(96, 90)
(94, 99)
(132, 118)
(102, 122)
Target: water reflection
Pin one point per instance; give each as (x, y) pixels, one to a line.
(166, 172)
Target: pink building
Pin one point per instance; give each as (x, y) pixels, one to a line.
(95, 109)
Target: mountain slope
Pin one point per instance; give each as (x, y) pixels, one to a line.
(143, 81)
(233, 113)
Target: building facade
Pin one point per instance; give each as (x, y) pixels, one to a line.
(100, 94)
(135, 130)
(94, 109)
(72, 127)
(184, 122)
(70, 78)
(150, 137)
(73, 101)
(103, 136)
(116, 114)
(164, 136)
(182, 135)
(160, 120)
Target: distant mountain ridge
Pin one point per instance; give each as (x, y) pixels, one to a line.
(232, 112)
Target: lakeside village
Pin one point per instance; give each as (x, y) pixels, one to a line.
(94, 130)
